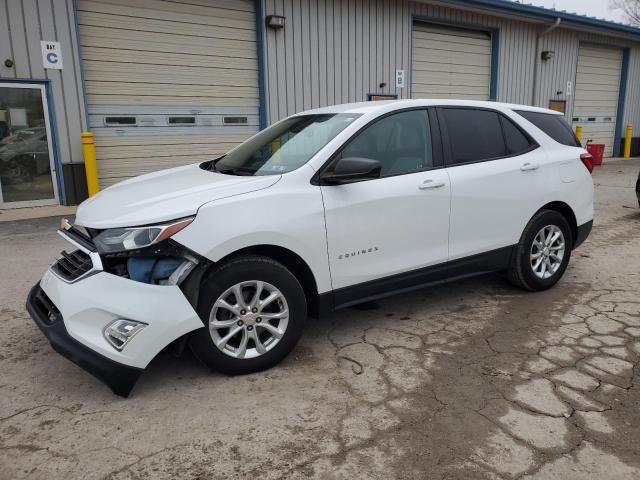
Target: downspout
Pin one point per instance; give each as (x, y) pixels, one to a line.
(535, 97)
(262, 82)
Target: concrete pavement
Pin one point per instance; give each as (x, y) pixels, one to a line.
(472, 380)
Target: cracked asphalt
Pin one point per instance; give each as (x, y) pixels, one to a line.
(472, 380)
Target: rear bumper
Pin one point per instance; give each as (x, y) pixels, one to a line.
(119, 377)
(583, 232)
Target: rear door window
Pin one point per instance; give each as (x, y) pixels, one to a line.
(474, 134)
(552, 125)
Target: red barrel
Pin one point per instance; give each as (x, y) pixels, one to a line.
(597, 152)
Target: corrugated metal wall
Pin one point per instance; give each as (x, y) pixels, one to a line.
(334, 51)
(23, 24)
(516, 52)
(563, 67)
(555, 73)
(337, 51)
(330, 51)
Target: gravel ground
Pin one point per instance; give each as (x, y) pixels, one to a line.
(472, 380)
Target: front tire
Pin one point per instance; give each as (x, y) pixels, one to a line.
(254, 311)
(543, 252)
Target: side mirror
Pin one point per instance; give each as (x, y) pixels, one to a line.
(352, 169)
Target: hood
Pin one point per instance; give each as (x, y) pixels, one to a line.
(164, 195)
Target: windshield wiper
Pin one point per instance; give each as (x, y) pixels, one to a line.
(242, 172)
(212, 164)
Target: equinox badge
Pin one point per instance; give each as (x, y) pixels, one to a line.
(356, 253)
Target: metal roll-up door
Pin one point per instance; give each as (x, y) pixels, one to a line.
(168, 82)
(450, 63)
(597, 91)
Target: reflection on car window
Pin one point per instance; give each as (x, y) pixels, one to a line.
(516, 141)
(400, 142)
(553, 125)
(285, 146)
(474, 134)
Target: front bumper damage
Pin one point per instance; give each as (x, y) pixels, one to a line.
(73, 315)
(119, 377)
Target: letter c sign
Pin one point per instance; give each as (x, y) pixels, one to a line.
(51, 55)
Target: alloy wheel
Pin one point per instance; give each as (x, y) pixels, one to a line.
(248, 319)
(547, 251)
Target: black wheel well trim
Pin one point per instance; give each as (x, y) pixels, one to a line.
(566, 211)
(290, 260)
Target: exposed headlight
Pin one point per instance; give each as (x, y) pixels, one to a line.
(116, 240)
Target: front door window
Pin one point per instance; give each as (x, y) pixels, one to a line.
(26, 176)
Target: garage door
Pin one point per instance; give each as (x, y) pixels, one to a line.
(167, 82)
(597, 90)
(450, 63)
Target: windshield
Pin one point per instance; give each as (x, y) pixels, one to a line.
(284, 146)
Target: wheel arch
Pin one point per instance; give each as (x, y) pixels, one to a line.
(293, 262)
(567, 212)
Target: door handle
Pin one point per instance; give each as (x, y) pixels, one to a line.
(429, 184)
(528, 167)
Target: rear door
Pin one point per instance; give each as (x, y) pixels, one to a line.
(497, 182)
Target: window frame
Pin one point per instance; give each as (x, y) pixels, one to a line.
(437, 148)
(446, 140)
(532, 143)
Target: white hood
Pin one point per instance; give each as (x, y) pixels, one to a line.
(164, 195)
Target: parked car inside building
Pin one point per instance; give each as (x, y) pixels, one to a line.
(24, 155)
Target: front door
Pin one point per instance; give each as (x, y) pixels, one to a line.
(392, 225)
(27, 176)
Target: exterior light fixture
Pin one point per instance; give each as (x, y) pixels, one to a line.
(275, 21)
(547, 54)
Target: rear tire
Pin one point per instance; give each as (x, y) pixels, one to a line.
(254, 311)
(543, 252)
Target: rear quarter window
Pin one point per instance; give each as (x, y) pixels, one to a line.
(552, 125)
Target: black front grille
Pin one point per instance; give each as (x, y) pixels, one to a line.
(49, 312)
(71, 266)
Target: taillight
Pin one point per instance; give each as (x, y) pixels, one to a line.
(587, 160)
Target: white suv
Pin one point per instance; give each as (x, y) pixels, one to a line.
(325, 209)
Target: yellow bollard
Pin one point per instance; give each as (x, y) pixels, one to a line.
(579, 133)
(627, 141)
(90, 165)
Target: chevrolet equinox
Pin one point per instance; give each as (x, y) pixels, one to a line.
(322, 210)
